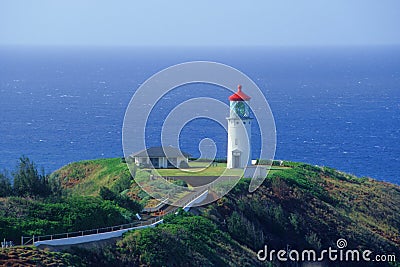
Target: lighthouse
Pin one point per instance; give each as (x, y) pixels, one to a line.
(239, 131)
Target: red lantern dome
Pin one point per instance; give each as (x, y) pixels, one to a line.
(239, 95)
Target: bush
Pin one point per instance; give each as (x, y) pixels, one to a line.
(313, 240)
(244, 230)
(122, 183)
(122, 200)
(129, 204)
(107, 194)
(184, 240)
(180, 183)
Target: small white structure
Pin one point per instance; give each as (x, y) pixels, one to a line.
(239, 131)
(160, 157)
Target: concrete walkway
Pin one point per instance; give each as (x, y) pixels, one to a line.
(91, 238)
(76, 240)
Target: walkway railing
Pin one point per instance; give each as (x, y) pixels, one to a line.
(30, 240)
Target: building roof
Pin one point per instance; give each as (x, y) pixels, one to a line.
(155, 152)
(239, 95)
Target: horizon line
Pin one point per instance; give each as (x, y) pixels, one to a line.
(217, 46)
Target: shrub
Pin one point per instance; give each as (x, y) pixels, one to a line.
(313, 240)
(107, 194)
(184, 240)
(122, 183)
(180, 183)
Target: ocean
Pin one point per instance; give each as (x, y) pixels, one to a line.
(333, 106)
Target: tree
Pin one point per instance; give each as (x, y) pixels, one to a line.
(5, 185)
(28, 181)
(54, 186)
(107, 194)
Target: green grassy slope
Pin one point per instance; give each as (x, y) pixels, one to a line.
(312, 207)
(300, 206)
(316, 192)
(86, 177)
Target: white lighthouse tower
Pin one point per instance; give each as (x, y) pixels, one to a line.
(239, 131)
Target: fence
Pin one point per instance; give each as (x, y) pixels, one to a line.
(7, 244)
(158, 207)
(30, 240)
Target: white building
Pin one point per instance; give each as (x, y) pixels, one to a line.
(239, 131)
(160, 157)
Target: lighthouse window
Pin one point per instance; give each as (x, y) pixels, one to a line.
(237, 122)
(244, 122)
(236, 141)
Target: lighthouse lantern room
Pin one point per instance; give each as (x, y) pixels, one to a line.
(239, 131)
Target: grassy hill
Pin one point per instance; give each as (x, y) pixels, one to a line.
(299, 206)
(306, 206)
(86, 177)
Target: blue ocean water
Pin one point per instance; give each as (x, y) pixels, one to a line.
(337, 107)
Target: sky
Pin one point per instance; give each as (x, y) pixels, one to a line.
(199, 23)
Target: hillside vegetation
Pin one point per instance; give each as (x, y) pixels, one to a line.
(66, 208)
(307, 206)
(29, 256)
(28, 217)
(299, 206)
(87, 177)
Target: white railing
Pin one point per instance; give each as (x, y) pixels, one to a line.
(157, 207)
(31, 240)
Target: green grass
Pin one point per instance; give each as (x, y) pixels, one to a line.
(86, 177)
(160, 187)
(200, 169)
(210, 171)
(199, 164)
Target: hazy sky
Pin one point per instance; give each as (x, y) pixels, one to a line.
(200, 23)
